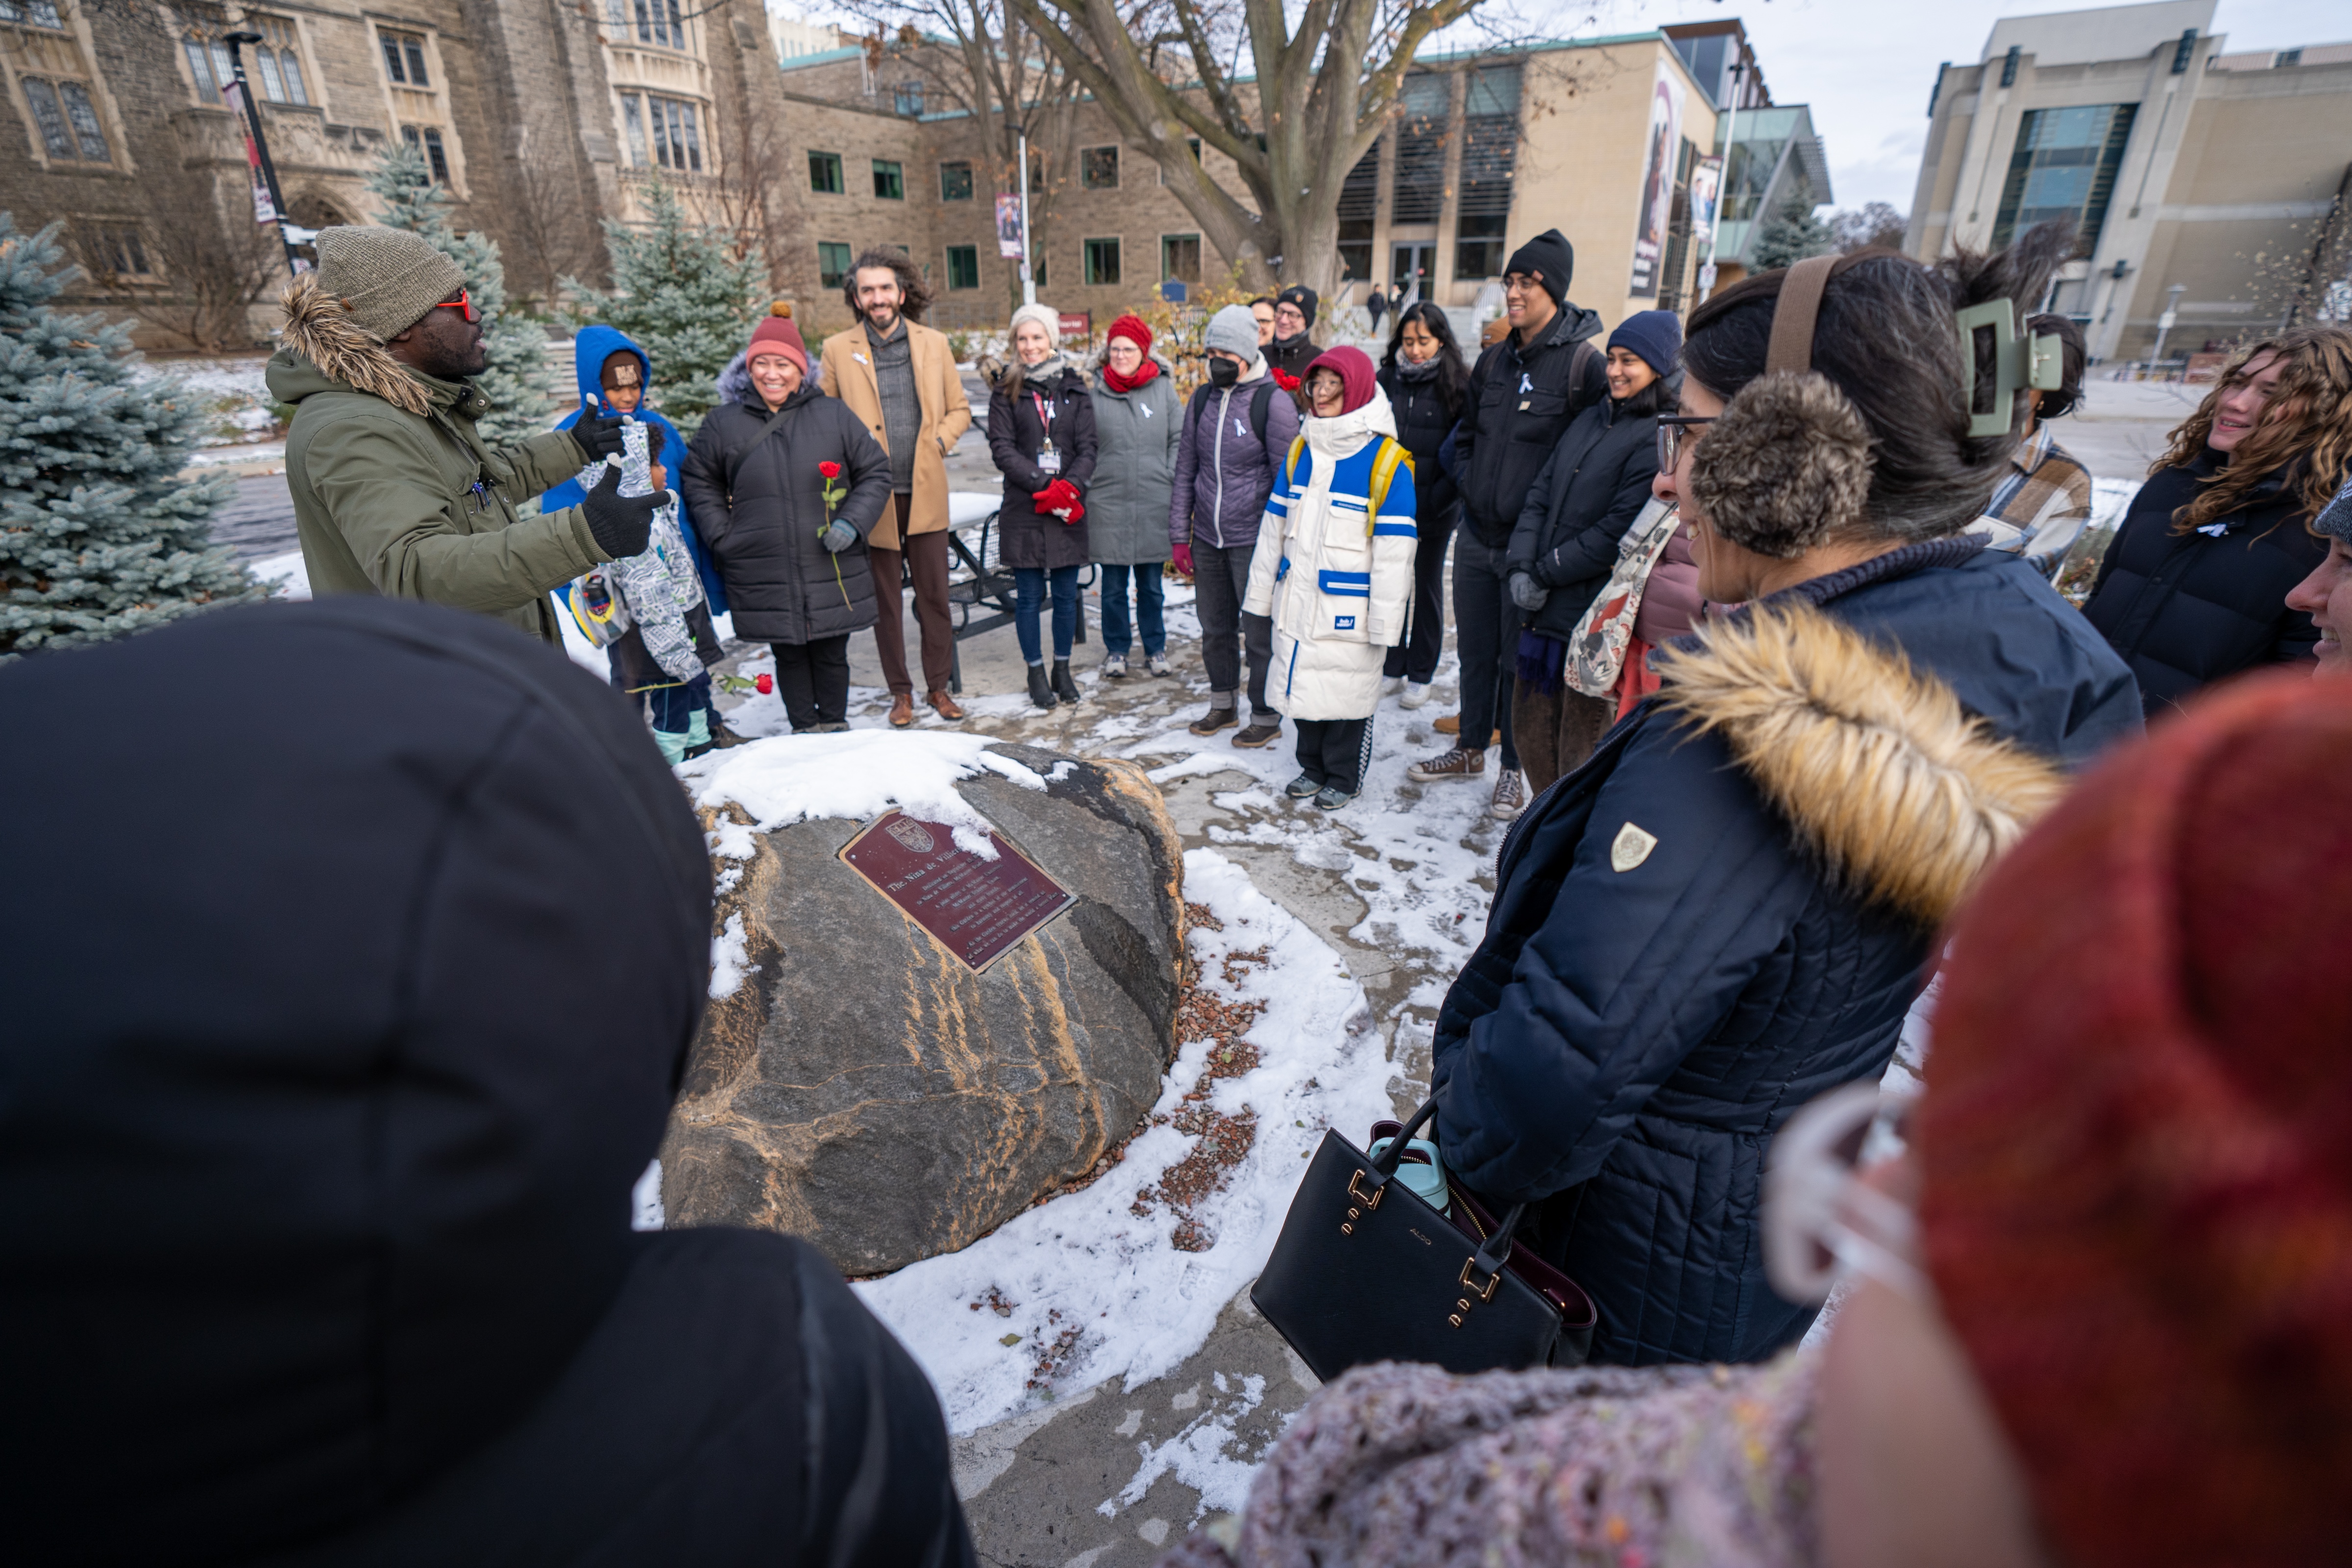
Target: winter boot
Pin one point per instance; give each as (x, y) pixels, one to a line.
(1040, 692)
(1218, 716)
(1063, 686)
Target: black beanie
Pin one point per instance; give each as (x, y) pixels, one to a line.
(1300, 294)
(1549, 253)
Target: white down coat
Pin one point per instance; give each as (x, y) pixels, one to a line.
(1336, 580)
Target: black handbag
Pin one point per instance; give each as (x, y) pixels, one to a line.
(1366, 1270)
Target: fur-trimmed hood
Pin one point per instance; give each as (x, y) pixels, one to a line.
(1904, 796)
(321, 334)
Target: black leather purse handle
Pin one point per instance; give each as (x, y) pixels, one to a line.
(1385, 1163)
(1497, 1248)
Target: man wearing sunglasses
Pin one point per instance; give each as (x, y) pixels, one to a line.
(396, 492)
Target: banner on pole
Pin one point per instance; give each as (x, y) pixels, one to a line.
(265, 211)
(1706, 180)
(1658, 184)
(1008, 227)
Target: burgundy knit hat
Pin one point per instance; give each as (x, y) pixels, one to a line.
(1131, 327)
(781, 337)
(1354, 368)
(2137, 1141)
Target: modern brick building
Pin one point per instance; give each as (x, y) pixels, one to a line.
(2208, 186)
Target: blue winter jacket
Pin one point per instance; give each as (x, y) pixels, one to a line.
(590, 350)
(1668, 971)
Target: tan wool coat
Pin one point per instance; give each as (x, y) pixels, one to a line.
(848, 371)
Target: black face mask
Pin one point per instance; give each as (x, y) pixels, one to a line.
(1222, 372)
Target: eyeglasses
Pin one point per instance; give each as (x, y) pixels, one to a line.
(1670, 437)
(463, 302)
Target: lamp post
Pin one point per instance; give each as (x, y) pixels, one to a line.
(1723, 192)
(1028, 262)
(2172, 294)
(259, 145)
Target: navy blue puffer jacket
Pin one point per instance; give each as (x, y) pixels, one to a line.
(1705, 926)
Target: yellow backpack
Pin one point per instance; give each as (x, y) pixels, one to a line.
(1385, 463)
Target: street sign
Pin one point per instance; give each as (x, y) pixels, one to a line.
(1175, 291)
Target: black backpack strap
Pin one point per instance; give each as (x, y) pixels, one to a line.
(1580, 364)
(742, 455)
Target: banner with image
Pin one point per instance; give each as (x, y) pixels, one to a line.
(1657, 208)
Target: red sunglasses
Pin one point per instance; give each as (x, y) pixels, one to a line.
(463, 302)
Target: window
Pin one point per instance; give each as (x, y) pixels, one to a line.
(676, 132)
(2063, 167)
(1194, 144)
(964, 266)
(428, 143)
(117, 248)
(1179, 257)
(1102, 261)
(825, 173)
(955, 182)
(69, 126)
(1098, 168)
(277, 61)
(906, 97)
(2286, 57)
(1359, 196)
(403, 59)
(657, 21)
(1425, 104)
(1478, 245)
(41, 13)
(1040, 278)
(832, 264)
(890, 180)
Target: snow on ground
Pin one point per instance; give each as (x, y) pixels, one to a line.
(236, 403)
(293, 578)
(1082, 1283)
(855, 773)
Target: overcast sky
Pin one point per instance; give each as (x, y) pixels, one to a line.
(1867, 66)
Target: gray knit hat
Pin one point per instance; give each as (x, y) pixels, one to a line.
(1235, 330)
(2335, 518)
(386, 278)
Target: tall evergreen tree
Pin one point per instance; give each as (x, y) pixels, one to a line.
(516, 379)
(1792, 234)
(684, 296)
(98, 535)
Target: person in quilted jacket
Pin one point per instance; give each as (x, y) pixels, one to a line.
(1333, 571)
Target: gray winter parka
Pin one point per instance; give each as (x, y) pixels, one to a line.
(1136, 434)
(1223, 472)
(783, 584)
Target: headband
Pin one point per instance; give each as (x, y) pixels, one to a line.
(1990, 343)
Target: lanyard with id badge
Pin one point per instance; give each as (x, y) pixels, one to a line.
(1049, 457)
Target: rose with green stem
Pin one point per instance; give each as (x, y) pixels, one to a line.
(835, 493)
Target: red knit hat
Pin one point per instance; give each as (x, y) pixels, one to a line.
(1131, 327)
(1354, 369)
(781, 337)
(2137, 1141)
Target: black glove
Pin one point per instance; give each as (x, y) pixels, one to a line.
(598, 436)
(623, 525)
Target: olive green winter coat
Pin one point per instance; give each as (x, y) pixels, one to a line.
(395, 493)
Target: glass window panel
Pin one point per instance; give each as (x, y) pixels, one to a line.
(658, 111)
(890, 180)
(84, 118)
(200, 67)
(438, 158)
(415, 49)
(1098, 168)
(955, 182)
(633, 122)
(645, 21)
(676, 27)
(46, 114)
(41, 13)
(1102, 260)
(1179, 257)
(832, 264)
(224, 73)
(617, 16)
(964, 266)
(291, 66)
(825, 173)
(391, 66)
(693, 138)
(273, 86)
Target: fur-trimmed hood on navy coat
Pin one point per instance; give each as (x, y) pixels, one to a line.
(1731, 907)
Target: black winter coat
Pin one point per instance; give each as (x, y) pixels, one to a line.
(2188, 609)
(1017, 433)
(317, 1216)
(1423, 421)
(1579, 508)
(1519, 407)
(1630, 1035)
(783, 584)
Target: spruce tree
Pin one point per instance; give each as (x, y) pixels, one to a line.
(516, 379)
(684, 298)
(98, 535)
(1792, 234)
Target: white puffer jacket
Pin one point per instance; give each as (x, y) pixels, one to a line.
(1336, 580)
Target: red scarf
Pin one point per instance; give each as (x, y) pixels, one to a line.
(1143, 377)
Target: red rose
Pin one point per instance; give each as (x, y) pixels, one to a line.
(830, 470)
(1286, 381)
(766, 683)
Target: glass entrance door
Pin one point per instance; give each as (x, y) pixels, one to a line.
(1414, 268)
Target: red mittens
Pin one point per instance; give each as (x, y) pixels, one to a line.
(1061, 498)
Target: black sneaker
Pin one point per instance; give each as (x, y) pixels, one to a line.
(1261, 732)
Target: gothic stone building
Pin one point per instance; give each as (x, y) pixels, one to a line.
(540, 118)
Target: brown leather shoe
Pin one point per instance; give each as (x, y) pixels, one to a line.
(902, 711)
(1449, 725)
(944, 706)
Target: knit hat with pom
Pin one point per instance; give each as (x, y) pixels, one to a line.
(2137, 1140)
(1786, 467)
(778, 334)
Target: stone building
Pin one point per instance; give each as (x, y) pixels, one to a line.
(540, 119)
(2208, 186)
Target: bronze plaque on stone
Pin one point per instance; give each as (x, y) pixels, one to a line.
(978, 909)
